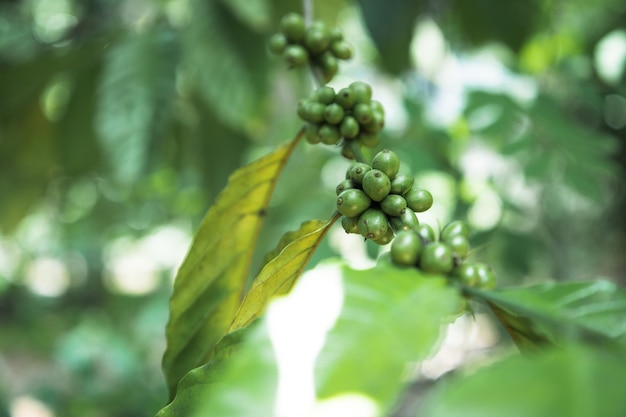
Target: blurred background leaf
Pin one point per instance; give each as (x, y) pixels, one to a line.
(580, 381)
(398, 315)
(561, 313)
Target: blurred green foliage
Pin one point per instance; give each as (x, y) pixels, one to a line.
(120, 121)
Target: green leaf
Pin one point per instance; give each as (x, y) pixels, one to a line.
(568, 151)
(77, 143)
(256, 13)
(482, 21)
(241, 384)
(136, 93)
(573, 382)
(280, 274)
(558, 312)
(211, 280)
(496, 117)
(390, 316)
(229, 63)
(393, 45)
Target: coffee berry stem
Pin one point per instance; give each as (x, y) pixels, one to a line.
(307, 11)
(358, 155)
(317, 77)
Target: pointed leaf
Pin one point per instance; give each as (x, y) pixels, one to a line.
(393, 45)
(292, 235)
(239, 385)
(556, 312)
(229, 61)
(571, 382)
(483, 21)
(280, 274)
(210, 282)
(136, 92)
(256, 14)
(390, 316)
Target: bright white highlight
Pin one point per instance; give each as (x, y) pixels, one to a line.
(346, 405)
(298, 324)
(610, 56)
(135, 267)
(26, 406)
(47, 277)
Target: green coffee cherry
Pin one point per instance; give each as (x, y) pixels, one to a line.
(293, 27)
(362, 92)
(459, 244)
(350, 224)
(328, 64)
(312, 111)
(352, 202)
(437, 258)
(386, 238)
(356, 173)
(467, 274)
(425, 232)
(406, 248)
(341, 49)
(396, 224)
(302, 108)
(388, 162)
(295, 55)
(344, 185)
(401, 184)
(393, 205)
(329, 134)
(316, 39)
(368, 139)
(378, 107)
(409, 219)
(476, 274)
(310, 132)
(377, 123)
(324, 95)
(345, 98)
(349, 127)
(419, 200)
(335, 35)
(486, 277)
(376, 184)
(373, 224)
(362, 112)
(277, 43)
(456, 227)
(333, 113)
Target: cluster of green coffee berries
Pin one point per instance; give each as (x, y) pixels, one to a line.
(315, 44)
(349, 114)
(377, 202)
(447, 255)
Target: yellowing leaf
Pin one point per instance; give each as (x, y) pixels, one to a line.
(280, 274)
(211, 280)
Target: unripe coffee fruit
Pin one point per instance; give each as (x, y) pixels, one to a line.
(437, 258)
(376, 184)
(406, 248)
(388, 162)
(373, 224)
(352, 202)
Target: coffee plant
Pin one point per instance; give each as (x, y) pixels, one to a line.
(220, 358)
